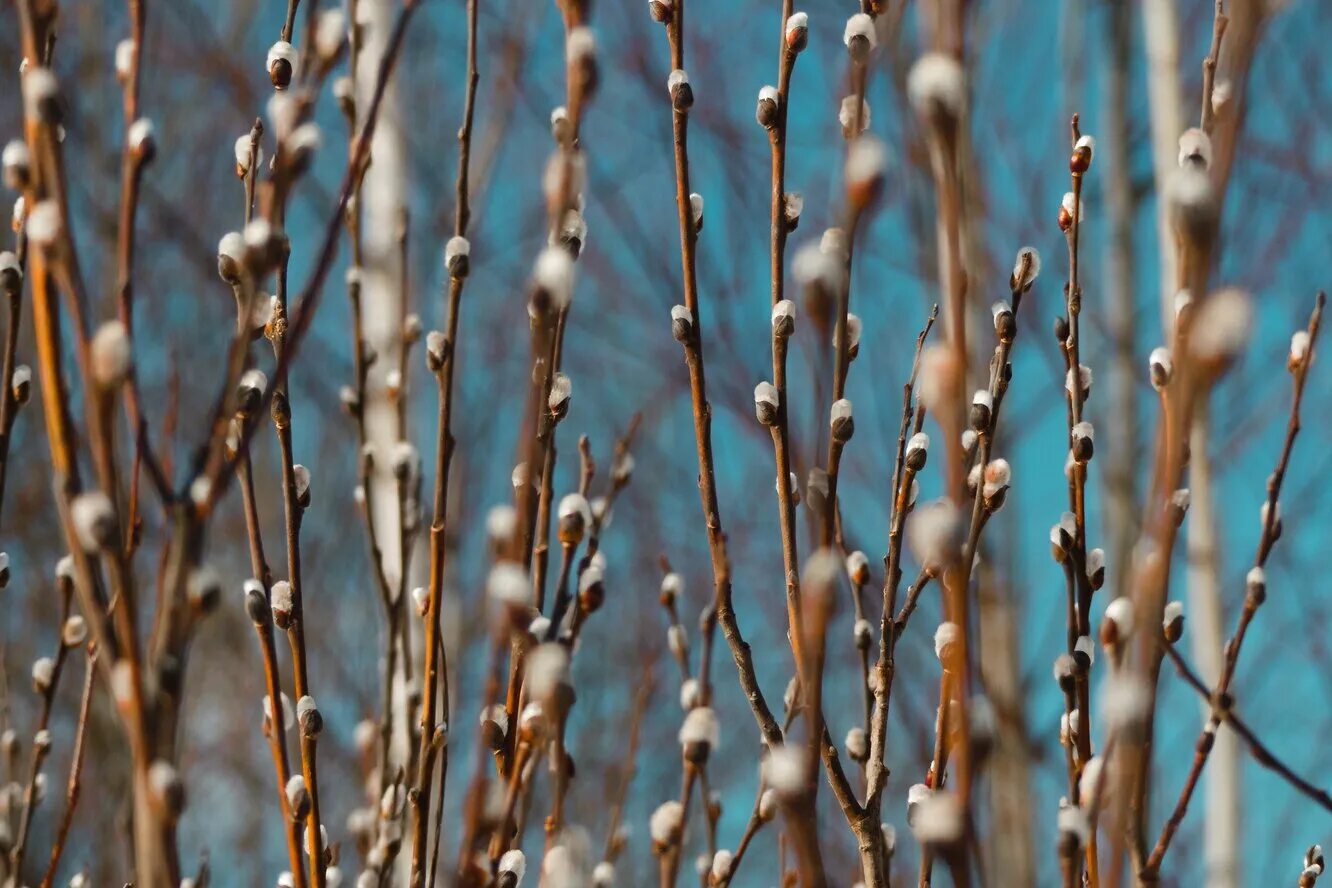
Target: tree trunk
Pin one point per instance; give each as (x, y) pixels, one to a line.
(382, 207)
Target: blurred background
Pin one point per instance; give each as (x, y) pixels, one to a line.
(1032, 64)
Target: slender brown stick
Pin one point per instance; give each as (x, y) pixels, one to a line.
(1252, 601)
(1261, 752)
(74, 784)
(693, 348)
(435, 676)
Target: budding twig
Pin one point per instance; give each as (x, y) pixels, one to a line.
(74, 784)
(1256, 588)
(693, 348)
(435, 675)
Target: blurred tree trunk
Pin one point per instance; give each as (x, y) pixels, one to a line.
(1121, 499)
(382, 209)
(1221, 829)
(1010, 857)
(1207, 630)
(1221, 826)
(1160, 27)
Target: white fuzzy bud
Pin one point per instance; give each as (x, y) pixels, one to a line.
(547, 670)
(17, 163)
(784, 770)
(676, 640)
(857, 744)
(946, 640)
(860, 27)
(575, 514)
(1120, 613)
(939, 379)
(501, 522)
(767, 401)
(672, 586)
(44, 223)
(110, 354)
(94, 519)
(1084, 377)
(330, 33)
(124, 59)
(666, 823)
(1299, 348)
(936, 86)
(934, 534)
(457, 256)
(1026, 267)
(1089, 783)
(1125, 700)
(690, 694)
(1195, 147)
(514, 863)
(1161, 367)
(866, 159)
(508, 585)
(917, 450)
(554, 274)
(1223, 325)
(700, 727)
(846, 116)
(997, 477)
(139, 137)
(40, 91)
(561, 391)
(939, 820)
(281, 63)
(43, 672)
(797, 31)
(857, 567)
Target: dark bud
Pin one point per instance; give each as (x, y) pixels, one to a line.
(308, 716)
(492, 735)
(682, 94)
(682, 324)
(205, 589)
(1080, 161)
(142, 143)
(1061, 330)
(768, 102)
(166, 787)
(437, 350)
(1173, 623)
(1255, 586)
(859, 48)
(1064, 669)
(280, 73)
(1005, 325)
(298, 799)
(982, 404)
(842, 422)
(256, 603)
(11, 274)
(767, 403)
(280, 408)
(591, 591)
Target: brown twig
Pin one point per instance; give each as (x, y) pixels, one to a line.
(435, 675)
(1252, 601)
(1221, 712)
(74, 784)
